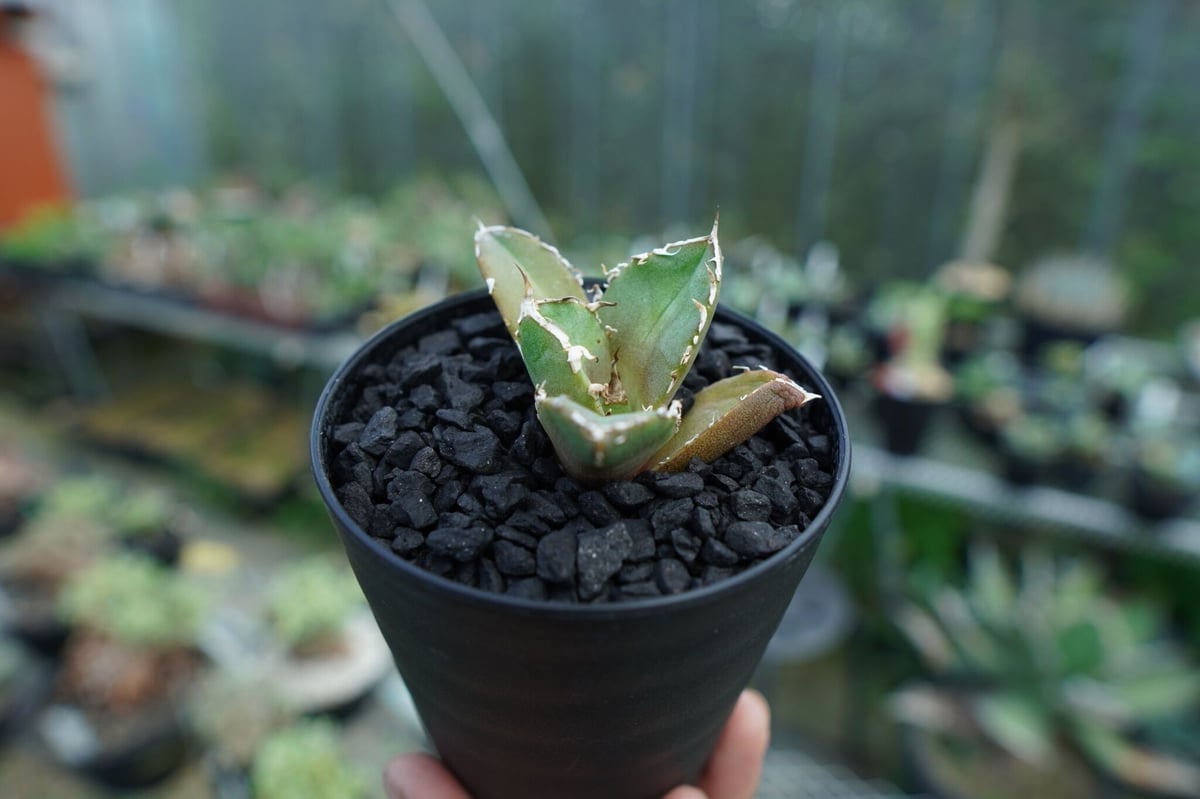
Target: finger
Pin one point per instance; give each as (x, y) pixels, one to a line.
(735, 767)
(419, 776)
(686, 792)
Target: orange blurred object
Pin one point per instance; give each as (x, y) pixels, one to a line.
(31, 174)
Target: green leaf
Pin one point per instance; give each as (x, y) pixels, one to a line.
(1016, 723)
(991, 586)
(513, 262)
(593, 447)
(1170, 689)
(565, 350)
(662, 305)
(928, 638)
(727, 413)
(1136, 766)
(1080, 648)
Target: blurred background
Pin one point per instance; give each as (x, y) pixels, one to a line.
(980, 217)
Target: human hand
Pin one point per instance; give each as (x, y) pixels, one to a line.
(731, 773)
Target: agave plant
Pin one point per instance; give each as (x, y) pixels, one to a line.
(1050, 658)
(606, 363)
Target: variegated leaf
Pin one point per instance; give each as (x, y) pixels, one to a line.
(565, 350)
(510, 258)
(662, 305)
(1016, 723)
(727, 413)
(593, 447)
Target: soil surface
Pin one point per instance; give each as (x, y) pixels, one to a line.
(439, 455)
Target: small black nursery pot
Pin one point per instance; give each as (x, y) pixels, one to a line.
(526, 698)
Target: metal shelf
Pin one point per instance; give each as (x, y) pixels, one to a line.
(1088, 518)
(90, 300)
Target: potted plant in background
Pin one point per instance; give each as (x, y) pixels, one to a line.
(52, 546)
(1068, 297)
(975, 292)
(1031, 445)
(1033, 676)
(1165, 477)
(20, 482)
(429, 450)
(1086, 451)
(144, 519)
(304, 761)
(233, 715)
(25, 683)
(911, 384)
(332, 654)
(988, 392)
(131, 654)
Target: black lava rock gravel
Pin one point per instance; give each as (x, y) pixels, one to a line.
(439, 455)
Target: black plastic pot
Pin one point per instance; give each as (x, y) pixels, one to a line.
(21, 700)
(145, 756)
(1156, 500)
(33, 620)
(164, 546)
(525, 698)
(1038, 335)
(904, 422)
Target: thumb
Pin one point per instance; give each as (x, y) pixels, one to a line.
(686, 792)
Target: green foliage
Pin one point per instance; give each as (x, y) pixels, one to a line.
(1170, 457)
(143, 511)
(311, 599)
(90, 495)
(1034, 437)
(234, 715)
(607, 366)
(51, 236)
(304, 761)
(94, 499)
(134, 600)
(1050, 656)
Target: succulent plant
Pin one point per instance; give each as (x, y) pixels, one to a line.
(606, 363)
(309, 602)
(1047, 655)
(134, 600)
(234, 713)
(304, 761)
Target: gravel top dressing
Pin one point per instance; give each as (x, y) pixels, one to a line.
(439, 455)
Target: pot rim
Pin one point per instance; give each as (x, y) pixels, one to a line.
(447, 308)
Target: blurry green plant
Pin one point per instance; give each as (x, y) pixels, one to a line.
(52, 236)
(309, 601)
(983, 374)
(234, 715)
(304, 761)
(133, 600)
(606, 367)
(95, 499)
(89, 495)
(1088, 437)
(1170, 457)
(1046, 658)
(142, 512)
(1033, 437)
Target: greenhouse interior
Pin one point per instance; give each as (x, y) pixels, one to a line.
(325, 473)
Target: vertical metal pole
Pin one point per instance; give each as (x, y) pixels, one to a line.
(820, 139)
(463, 95)
(966, 103)
(679, 110)
(1125, 129)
